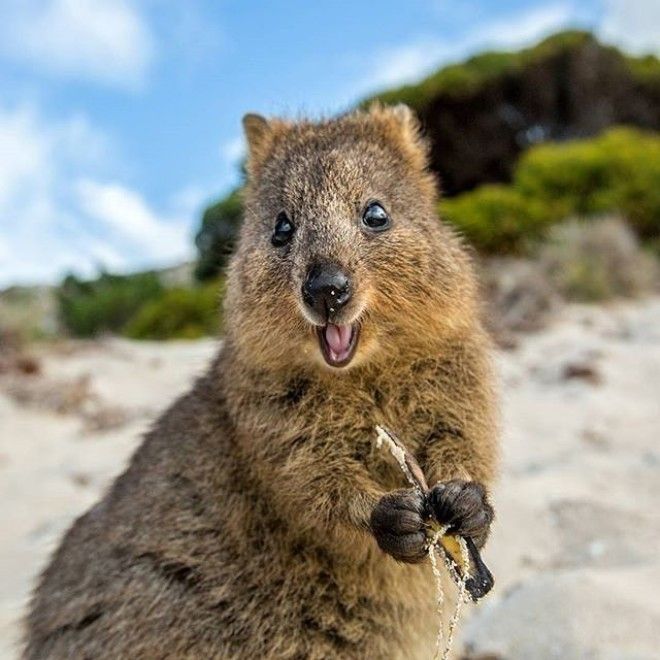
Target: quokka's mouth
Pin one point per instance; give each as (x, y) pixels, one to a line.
(338, 343)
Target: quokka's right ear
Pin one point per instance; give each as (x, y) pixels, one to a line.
(255, 128)
(402, 124)
(259, 134)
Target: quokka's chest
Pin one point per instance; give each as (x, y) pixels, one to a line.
(346, 428)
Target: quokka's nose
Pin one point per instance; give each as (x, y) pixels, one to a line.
(326, 289)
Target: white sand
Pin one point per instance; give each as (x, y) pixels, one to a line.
(52, 469)
(575, 547)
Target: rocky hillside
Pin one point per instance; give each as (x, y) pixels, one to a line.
(481, 114)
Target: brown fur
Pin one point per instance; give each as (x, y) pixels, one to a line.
(241, 528)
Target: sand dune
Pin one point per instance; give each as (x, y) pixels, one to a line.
(575, 547)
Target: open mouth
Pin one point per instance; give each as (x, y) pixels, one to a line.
(338, 343)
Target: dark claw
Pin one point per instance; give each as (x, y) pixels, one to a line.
(397, 523)
(464, 506)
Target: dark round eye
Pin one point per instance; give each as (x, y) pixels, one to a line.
(375, 217)
(283, 230)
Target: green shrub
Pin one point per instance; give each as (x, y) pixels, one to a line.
(179, 314)
(455, 79)
(217, 235)
(90, 307)
(618, 171)
(495, 218)
(486, 68)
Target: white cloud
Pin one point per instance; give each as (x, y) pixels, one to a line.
(24, 153)
(190, 200)
(406, 63)
(101, 253)
(233, 150)
(632, 24)
(128, 217)
(36, 226)
(100, 40)
(4, 250)
(409, 62)
(59, 214)
(526, 28)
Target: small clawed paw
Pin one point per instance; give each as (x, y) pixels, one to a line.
(464, 506)
(397, 523)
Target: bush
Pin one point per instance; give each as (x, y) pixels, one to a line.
(217, 235)
(179, 314)
(490, 67)
(616, 172)
(89, 307)
(495, 218)
(597, 260)
(481, 69)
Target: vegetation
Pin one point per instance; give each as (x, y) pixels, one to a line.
(597, 260)
(138, 306)
(615, 172)
(502, 218)
(92, 307)
(215, 239)
(618, 171)
(496, 218)
(481, 115)
(584, 260)
(179, 314)
(474, 73)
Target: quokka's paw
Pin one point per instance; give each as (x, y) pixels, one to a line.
(397, 523)
(464, 506)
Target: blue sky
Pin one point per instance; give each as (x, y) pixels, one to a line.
(120, 119)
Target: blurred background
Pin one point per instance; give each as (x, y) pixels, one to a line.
(120, 177)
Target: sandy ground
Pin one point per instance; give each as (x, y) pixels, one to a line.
(575, 547)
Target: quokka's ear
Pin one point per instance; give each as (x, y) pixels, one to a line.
(256, 129)
(259, 134)
(407, 119)
(404, 127)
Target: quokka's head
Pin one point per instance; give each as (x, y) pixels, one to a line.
(342, 260)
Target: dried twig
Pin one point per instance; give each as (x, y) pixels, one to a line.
(436, 533)
(408, 463)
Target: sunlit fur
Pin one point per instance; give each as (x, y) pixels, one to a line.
(241, 527)
(410, 283)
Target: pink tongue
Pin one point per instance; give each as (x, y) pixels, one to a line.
(338, 338)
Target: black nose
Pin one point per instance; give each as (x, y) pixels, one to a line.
(326, 290)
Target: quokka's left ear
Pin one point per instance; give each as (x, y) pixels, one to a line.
(255, 128)
(259, 134)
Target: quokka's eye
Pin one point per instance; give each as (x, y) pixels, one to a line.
(375, 217)
(283, 230)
